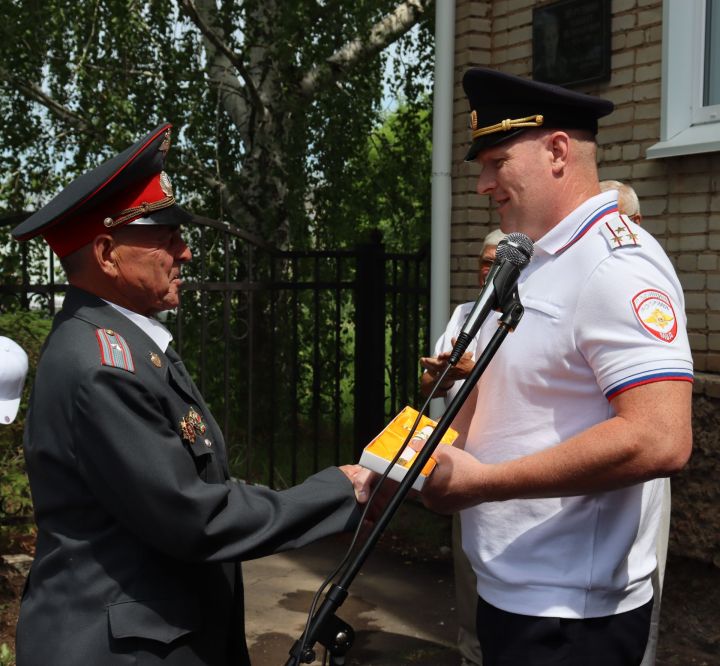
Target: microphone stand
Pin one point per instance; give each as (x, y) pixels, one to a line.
(325, 627)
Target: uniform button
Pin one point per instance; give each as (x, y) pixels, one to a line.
(208, 442)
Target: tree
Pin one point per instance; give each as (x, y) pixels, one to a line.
(388, 185)
(277, 109)
(271, 99)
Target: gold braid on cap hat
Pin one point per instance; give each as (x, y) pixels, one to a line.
(143, 209)
(504, 125)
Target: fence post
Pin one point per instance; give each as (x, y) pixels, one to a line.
(369, 342)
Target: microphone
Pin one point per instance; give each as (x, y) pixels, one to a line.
(513, 254)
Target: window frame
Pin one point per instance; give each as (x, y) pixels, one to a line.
(685, 128)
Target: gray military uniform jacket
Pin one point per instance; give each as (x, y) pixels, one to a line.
(140, 529)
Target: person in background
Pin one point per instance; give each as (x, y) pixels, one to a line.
(628, 202)
(585, 407)
(13, 370)
(465, 582)
(433, 366)
(141, 529)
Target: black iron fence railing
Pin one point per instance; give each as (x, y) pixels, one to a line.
(302, 356)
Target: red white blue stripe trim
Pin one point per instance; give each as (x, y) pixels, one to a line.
(660, 375)
(114, 351)
(588, 223)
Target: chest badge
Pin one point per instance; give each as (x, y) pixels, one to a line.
(656, 314)
(192, 426)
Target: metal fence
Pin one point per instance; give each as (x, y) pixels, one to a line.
(303, 356)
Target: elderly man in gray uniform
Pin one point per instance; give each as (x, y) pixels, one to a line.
(583, 409)
(140, 527)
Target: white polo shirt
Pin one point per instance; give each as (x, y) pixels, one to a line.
(604, 312)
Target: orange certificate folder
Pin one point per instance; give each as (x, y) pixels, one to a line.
(378, 454)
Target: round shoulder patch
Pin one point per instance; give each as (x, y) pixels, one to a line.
(655, 312)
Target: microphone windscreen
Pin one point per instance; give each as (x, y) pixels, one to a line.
(516, 248)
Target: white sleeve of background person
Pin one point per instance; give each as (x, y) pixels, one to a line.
(453, 328)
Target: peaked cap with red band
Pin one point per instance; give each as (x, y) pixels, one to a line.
(127, 187)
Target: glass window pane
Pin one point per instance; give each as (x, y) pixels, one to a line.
(711, 89)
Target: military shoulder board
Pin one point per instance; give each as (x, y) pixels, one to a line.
(114, 351)
(621, 233)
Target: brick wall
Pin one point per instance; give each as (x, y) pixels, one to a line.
(680, 196)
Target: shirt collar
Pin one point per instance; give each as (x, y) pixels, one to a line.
(584, 218)
(151, 327)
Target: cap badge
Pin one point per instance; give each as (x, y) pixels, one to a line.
(155, 360)
(656, 314)
(165, 184)
(192, 426)
(473, 120)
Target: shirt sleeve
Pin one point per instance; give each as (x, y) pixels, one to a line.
(630, 322)
(454, 326)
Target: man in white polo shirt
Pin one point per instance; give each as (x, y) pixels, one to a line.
(584, 408)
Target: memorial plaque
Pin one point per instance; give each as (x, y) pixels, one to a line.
(571, 42)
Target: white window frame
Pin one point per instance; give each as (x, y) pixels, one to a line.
(686, 127)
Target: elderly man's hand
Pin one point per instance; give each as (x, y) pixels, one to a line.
(434, 366)
(362, 480)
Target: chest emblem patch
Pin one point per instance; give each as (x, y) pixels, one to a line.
(656, 314)
(192, 426)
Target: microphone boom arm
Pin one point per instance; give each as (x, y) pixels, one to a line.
(324, 621)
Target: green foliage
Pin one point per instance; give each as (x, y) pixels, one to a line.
(388, 185)
(29, 330)
(7, 656)
(81, 79)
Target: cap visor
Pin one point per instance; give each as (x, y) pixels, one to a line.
(8, 410)
(489, 140)
(173, 216)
